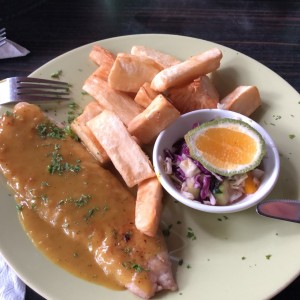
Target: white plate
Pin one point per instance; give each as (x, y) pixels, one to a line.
(229, 257)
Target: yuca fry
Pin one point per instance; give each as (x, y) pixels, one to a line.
(145, 95)
(188, 70)
(148, 206)
(84, 133)
(244, 100)
(156, 117)
(130, 72)
(102, 72)
(198, 94)
(121, 104)
(100, 55)
(164, 59)
(126, 155)
(104, 58)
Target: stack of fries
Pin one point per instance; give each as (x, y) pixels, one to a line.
(138, 95)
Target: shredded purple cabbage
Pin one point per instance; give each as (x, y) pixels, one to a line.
(204, 181)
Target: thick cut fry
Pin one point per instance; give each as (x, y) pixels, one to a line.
(126, 155)
(244, 100)
(148, 206)
(145, 95)
(130, 72)
(163, 59)
(188, 70)
(196, 95)
(100, 55)
(156, 117)
(84, 133)
(121, 104)
(104, 58)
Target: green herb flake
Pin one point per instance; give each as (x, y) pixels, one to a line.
(69, 132)
(243, 257)
(56, 74)
(91, 212)
(131, 265)
(292, 136)
(190, 234)
(19, 207)
(8, 113)
(268, 256)
(75, 254)
(58, 166)
(48, 130)
(82, 200)
(188, 266)
(180, 262)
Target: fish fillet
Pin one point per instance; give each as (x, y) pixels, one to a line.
(58, 179)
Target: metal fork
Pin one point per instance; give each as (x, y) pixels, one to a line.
(18, 89)
(2, 36)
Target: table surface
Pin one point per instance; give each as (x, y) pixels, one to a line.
(268, 31)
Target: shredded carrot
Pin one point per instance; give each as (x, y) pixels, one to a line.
(250, 185)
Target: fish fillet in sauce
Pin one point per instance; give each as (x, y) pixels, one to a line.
(56, 179)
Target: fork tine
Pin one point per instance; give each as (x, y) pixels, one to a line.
(17, 89)
(38, 98)
(40, 92)
(38, 80)
(2, 36)
(42, 86)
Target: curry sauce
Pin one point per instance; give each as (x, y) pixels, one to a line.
(75, 211)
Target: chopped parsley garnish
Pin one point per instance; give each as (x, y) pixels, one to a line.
(90, 213)
(79, 202)
(180, 262)
(292, 136)
(56, 74)
(268, 256)
(8, 113)
(131, 265)
(73, 113)
(190, 234)
(19, 207)
(49, 130)
(58, 166)
(83, 200)
(69, 132)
